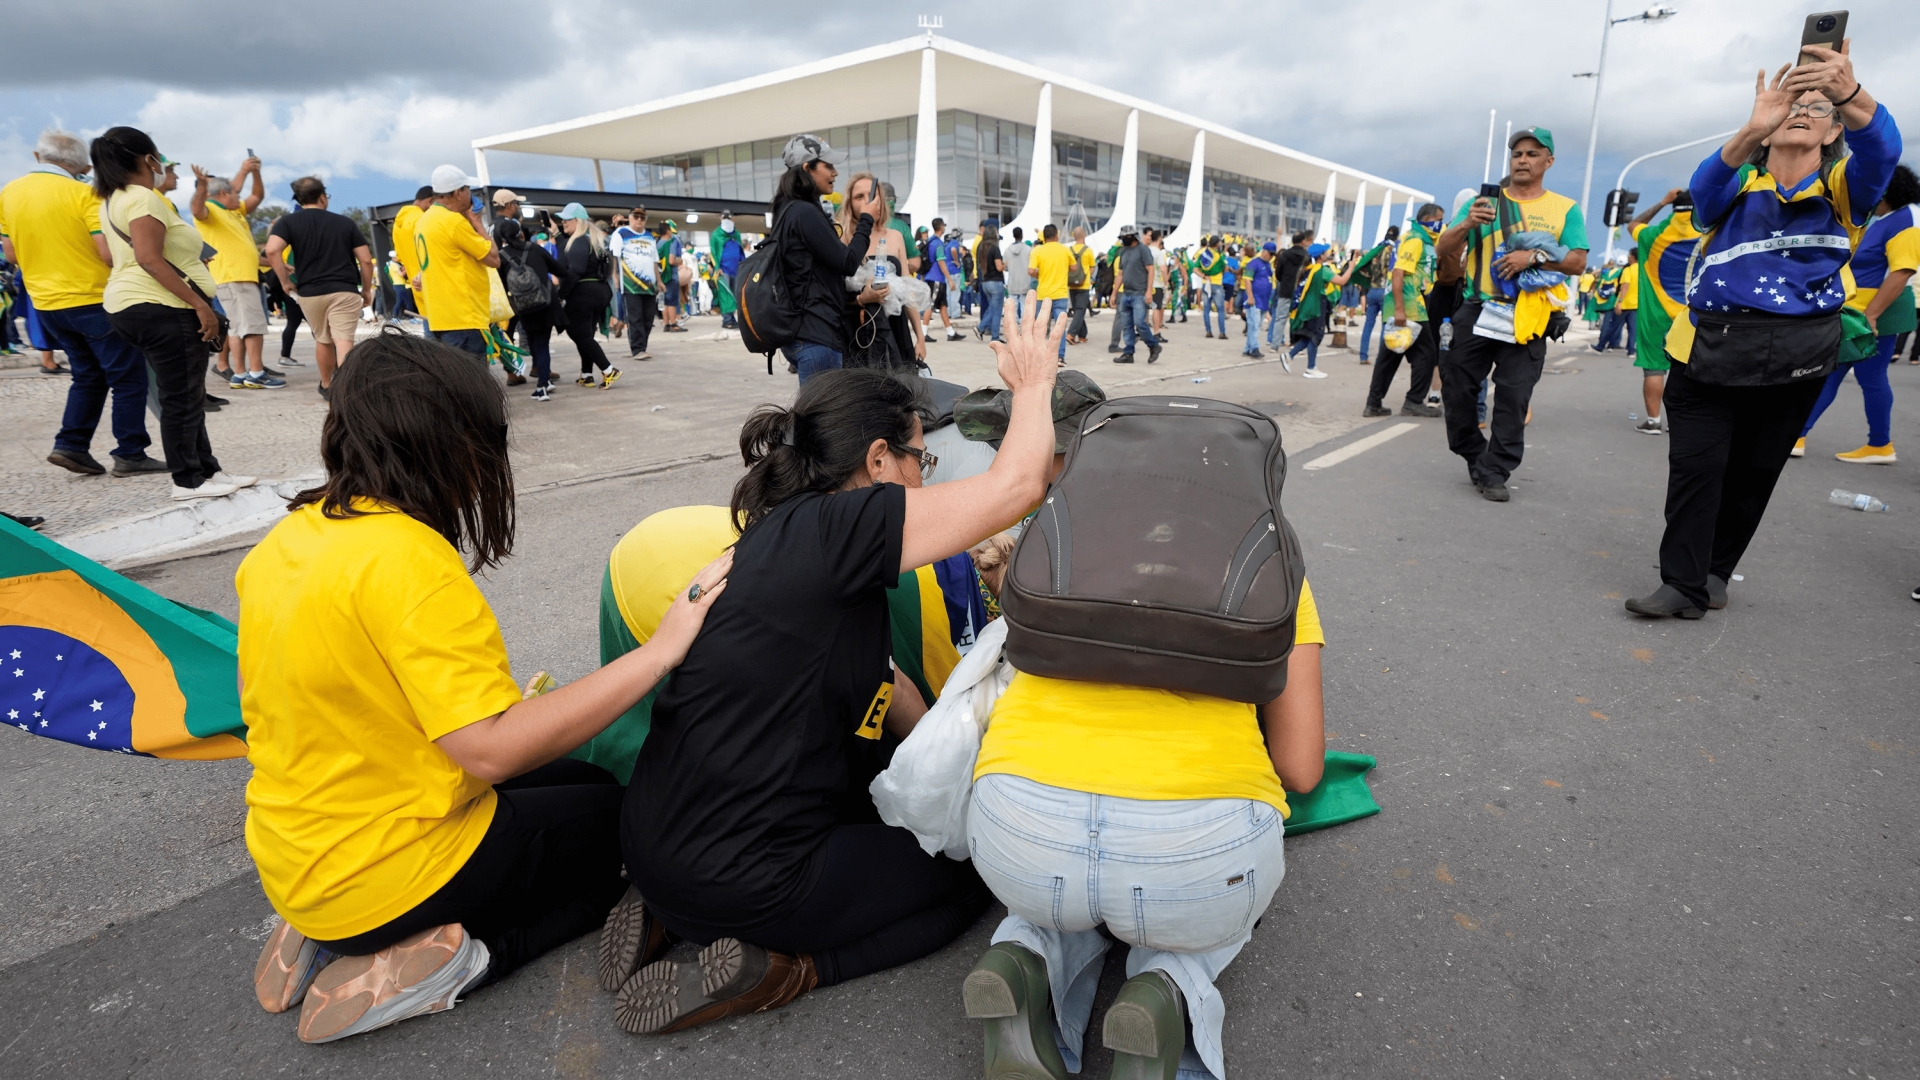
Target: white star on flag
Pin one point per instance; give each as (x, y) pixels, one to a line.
(17, 673)
(38, 694)
(13, 714)
(91, 736)
(23, 727)
(43, 723)
(1779, 299)
(96, 706)
(1756, 290)
(1781, 232)
(1720, 283)
(103, 725)
(16, 655)
(58, 657)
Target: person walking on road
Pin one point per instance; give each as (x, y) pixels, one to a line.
(160, 298)
(333, 276)
(1312, 305)
(1286, 282)
(1664, 251)
(1482, 230)
(1258, 274)
(1751, 356)
(1133, 286)
(1018, 257)
(585, 257)
(817, 262)
(50, 225)
(725, 248)
(455, 254)
(1079, 285)
(637, 252)
(1405, 308)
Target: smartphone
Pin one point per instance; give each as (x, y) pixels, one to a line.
(1490, 191)
(250, 152)
(1826, 29)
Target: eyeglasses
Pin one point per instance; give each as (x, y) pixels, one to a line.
(927, 460)
(1819, 110)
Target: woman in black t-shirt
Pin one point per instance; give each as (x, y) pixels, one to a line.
(747, 826)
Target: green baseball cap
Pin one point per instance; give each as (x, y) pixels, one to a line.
(982, 416)
(1537, 134)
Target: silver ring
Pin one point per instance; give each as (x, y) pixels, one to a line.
(693, 593)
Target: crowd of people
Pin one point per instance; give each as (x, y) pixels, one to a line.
(709, 783)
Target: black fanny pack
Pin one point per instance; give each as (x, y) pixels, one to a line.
(1758, 349)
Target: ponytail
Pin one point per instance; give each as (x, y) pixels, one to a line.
(821, 442)
(116, 157)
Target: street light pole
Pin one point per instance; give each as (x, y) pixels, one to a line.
(1599, 74)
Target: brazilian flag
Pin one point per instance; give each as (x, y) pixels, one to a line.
(93, 659)
(937, 611)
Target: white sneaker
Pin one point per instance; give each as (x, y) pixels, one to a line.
(236, 481)
(1313, 373)
(208, 489)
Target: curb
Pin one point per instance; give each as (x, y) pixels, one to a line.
(187, 525)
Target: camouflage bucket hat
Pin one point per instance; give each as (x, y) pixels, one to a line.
(982, 416)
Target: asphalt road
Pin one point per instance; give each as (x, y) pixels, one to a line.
(1610, 846)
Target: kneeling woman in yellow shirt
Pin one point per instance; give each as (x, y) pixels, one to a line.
(408, 813)
(1158, 814)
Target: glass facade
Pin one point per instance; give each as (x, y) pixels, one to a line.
(986, 166)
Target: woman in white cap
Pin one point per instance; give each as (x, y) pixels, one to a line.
(584, 255)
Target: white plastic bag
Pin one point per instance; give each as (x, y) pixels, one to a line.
(928, 787)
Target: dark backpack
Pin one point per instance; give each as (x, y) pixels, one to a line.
(527, 288)
(1102, 276)
(1077, 270)
(769, 318)
(1160, 556)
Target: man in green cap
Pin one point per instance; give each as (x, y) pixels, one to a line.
(1481, 230)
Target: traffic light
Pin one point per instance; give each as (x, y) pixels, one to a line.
(1620, 206)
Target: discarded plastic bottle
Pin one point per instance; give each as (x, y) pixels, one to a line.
(1633, 416)
(1204, 378)
(1858, 502)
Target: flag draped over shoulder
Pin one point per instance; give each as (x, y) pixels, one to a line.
(96, 660)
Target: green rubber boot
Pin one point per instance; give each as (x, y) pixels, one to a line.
(1146, 1028)
(1008, 989)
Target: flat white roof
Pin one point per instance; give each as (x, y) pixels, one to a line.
(884, 81)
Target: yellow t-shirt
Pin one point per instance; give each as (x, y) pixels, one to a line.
(362, 640)
(1629, 288)
(453, 282)
(1133, 742)
(129, 283)
(1052, 260)
(404, 224)
(228, 232)
(1085, 255)
(50, 218)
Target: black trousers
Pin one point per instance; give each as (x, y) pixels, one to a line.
(1420, 356)
(547, 871)
(538, 324)
(879, 902)
(640, 311)
(584, 309)
(1078, 302)
(288, 336)
(169, 337)
(1515, 370)
(1725, 450)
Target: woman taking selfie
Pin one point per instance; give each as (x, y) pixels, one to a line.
(158, 297)
(747, 826)
(1782, 204)
(408, 814)
(874, 331)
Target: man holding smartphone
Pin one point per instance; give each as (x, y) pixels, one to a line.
(1482, 227)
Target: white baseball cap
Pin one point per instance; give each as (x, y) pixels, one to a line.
(451, 178)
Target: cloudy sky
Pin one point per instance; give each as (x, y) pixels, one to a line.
(373, 97)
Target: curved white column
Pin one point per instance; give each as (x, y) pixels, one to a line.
(1126, 200)
(480, 167)
(1187, 233)
(1038, 210)
(1324, 234)
(1355, 241)
(922, 204)
(1386, 209)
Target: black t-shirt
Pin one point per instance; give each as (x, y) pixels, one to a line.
(323, 244)
(984, 259)
(751, 752)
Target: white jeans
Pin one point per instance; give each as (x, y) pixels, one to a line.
(1181, 881)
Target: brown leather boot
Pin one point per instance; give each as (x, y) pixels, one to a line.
(731, 978)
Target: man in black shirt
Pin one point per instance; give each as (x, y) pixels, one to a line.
(330, 289)
(1286, 278)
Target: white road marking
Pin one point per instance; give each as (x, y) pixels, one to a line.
(1564, 361)
(1355, 449)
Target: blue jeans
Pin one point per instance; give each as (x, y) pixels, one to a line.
(467, 341)
(1375, 297)
(1278, 333)
(813, 358)
(103, 363)
(1133, 321)
(1066, 862)
(1214, 300)
(1255, 312)
(1876, 393)
(992, 295)
(1057, 310)
(1611, 324)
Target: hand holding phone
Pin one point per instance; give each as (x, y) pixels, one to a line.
(1826, 29)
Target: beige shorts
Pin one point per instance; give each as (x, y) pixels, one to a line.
(334, 316)
(246, 315)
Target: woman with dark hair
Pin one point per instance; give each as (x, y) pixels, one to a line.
(816, 261)
(585, 301)
(409, 814)
(538, 321)
(159, 297)
(1782, 206)
(748, 827)
(1888, 254)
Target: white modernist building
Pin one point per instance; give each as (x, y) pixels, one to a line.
(947, 125)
